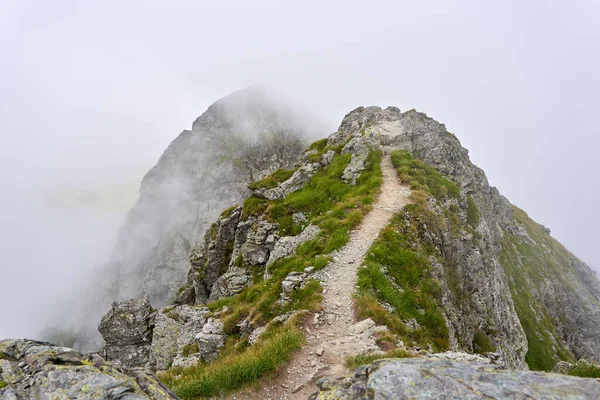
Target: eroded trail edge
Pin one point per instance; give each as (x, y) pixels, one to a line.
(332, 335)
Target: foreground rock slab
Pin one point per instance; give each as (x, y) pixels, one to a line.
(442, 379)
(36, 370)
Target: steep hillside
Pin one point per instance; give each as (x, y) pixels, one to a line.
(239, 139)
(383, 240)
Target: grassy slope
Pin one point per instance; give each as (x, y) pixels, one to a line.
(527, 265)
(331, 204)
(397, 270)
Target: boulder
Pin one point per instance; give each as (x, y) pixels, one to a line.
(286, 246)
(127, 331)
(39, 370)
(174, 335)
(211, 340)
(426, 378)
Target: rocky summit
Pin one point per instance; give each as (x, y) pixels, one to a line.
(375, 263)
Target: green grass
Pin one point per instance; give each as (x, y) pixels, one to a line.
(227, 213)
(482, 343)
(528, 265)
(423, 176)
(472, 212)
(397, 270)
(319, 145)
(236, 370)
(3, 384)
(336, 208)
(408, 270)
(585, 370)
(273, 180)
(353, 362)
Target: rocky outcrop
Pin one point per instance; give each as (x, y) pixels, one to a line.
(174, 340)
(210, 340)
(236, 243)
(423, 378)
(286, 245)
(38, 370)
(240, 138)
(127, 330)
(360, 151)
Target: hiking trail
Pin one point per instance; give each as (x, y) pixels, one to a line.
(333, 334)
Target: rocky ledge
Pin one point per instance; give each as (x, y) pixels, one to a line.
(37, 370)
(436, 378)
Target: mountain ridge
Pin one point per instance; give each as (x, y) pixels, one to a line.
(457, 269)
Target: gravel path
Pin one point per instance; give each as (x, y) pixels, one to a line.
(332, 335)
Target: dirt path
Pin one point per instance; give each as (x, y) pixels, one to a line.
(333, 334)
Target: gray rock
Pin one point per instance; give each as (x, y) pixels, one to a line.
(211, 340)
(293, 183)
(361, 326)
(127, 331)
(299, 218)
(360, 151)
(244, 136)
(38, 370)
(421, 378)
(255, 335)
(286, 245)
(175, 329)
(292, 281)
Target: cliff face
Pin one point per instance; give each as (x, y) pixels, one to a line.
(239, 139)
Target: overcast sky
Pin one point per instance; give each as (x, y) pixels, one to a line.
(92, 92)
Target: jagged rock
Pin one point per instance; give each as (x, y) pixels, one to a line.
(292, 281)
(293, 183)
(127, 331)
(211, 340)
(163, 349)
(286, 245)
(255, 335)
(244, 136)
(230, 283)
(360, 151)
(422, 378)
(174, 331)
(39, 370)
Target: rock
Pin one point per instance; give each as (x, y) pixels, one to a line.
(425, 378)
(201, 173)
(361, 326)
(292, 281)
(360, 151)
(39, 370)
(211, 340)
(287, 245)
(174, 334)
(320, 351)
(295, 182)
(127, 331)
(255, 335)
(309, 270)
(299, 218)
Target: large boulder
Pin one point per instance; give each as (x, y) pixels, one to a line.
(127, 330)
(423, 378)
(173, 338)
(38, 370)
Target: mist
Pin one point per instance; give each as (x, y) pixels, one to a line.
(92, 94)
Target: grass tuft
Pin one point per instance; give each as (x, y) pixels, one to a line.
(235, 370)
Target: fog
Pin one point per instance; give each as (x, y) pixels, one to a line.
(91, 94)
